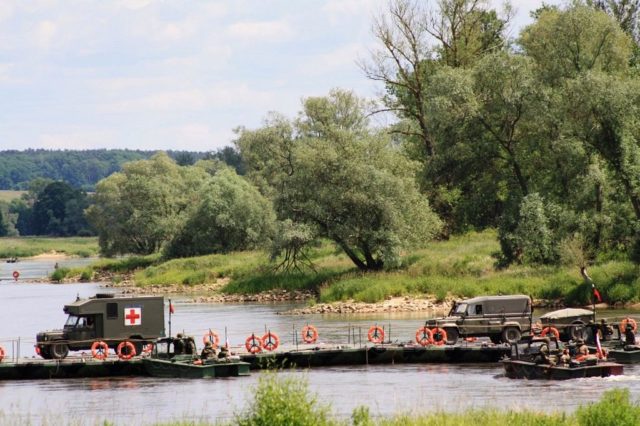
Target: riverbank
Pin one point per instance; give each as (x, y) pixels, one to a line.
(29, 247)
(462, 267)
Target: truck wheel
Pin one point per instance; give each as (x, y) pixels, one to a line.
(59, 350)
(495, 339)
(511, 335)
(452, 335)
(45, 352)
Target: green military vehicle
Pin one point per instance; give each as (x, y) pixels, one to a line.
(107, 318)
(501, 318)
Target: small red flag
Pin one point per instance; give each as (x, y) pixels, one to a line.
(171, 310)
(596, 293)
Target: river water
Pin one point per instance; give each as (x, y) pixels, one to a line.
(386, 390)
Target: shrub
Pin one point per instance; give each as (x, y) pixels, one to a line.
(279, 401)
(613, 409)
(59, 274)
(86, 275)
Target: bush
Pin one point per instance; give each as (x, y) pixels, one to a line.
(613, 409)
(281, 401)
(86, 275)
(59, 274)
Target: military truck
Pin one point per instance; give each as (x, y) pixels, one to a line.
(501, 318)
(108, 318)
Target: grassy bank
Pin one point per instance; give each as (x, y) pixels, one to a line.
(285, 401)
(464, 266)
(33, 246)
(8, 195)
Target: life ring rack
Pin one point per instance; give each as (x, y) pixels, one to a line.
(375, 334)
(126, 350)
(100, 350)
(309, 334)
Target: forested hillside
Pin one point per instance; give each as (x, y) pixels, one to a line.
(80, 169)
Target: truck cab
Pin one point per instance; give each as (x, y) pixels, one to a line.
(501, 318)
(107, 318)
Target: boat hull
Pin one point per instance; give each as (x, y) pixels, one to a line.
(188, 370)
(516, 369)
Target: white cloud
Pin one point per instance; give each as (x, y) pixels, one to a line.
(340, 58)
(174, 100)
(44, 34)
(75, 139)
(261, 31)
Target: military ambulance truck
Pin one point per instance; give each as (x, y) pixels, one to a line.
(107, 318)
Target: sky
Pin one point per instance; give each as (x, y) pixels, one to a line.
(175, 74)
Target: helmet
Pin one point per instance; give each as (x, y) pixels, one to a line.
(207, 344)
(179, 335)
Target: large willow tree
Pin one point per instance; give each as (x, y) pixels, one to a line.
(332, 176)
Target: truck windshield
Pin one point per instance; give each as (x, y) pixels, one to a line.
(461, 309)
(71, 321)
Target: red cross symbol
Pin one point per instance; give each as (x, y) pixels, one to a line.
(132, 316)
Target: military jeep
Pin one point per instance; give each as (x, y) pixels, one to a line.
(107, 318)
(501, 318)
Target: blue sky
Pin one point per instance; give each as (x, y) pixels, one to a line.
(173, 74)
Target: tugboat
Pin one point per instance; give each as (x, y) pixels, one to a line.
(618, 339)
(538, 360)
(164, 362)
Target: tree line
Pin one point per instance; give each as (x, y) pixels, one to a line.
(82, 169)
(537, 136)
(56, 199)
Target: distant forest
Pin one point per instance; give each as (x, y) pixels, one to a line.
(83, 169)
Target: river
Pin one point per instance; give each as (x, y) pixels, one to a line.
(389, 389)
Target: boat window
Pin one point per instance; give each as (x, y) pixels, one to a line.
(71, 321)
(461, 309)
(478, 310)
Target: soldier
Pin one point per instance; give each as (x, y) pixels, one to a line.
(629, 337)
(189, 345)
(583, 350)
(208, 351)
(224, 352)
(565, 358)
(543, 356)
(178, 345)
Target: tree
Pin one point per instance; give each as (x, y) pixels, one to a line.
(139, 209)
(232, 215)
(345, 182)
(408, 63)
(567, 43)
(58, 210)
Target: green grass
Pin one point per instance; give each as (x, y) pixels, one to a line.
(463, 266)
(287, 401)
(33, 246)
(7, 196)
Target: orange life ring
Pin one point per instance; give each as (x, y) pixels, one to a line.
(376, 334)
(442, 339)
(624, 322)
(99, 350)
(212, 337)
(270, 341)
(16, 274)
(130, 350)
(424, 336)
(253, 344)
(1, 353)
(146, 349)
(309, 334)
(552, 330)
